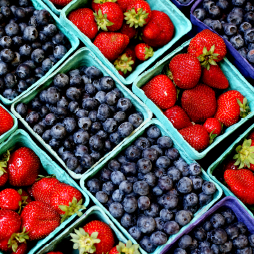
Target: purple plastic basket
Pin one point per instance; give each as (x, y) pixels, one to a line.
(182, 7)
(227, 202)
(240, 62)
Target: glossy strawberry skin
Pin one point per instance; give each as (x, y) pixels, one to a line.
(124, 4)
(26, 195)
(10, 199)
(96, 6)
(114, 251)
(6, 122)
(60, 2)
(131, 32)
(3, 179)
(55, 252)
(22, 249)
(230, 165)
(251, 135)
(140, 51)
(212, 125)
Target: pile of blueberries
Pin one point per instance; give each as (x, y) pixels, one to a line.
(82, 116)
(234, 20)
(222, 233)
(30, 44)
(151, 190)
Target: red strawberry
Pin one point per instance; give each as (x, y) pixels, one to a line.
(161, 90)
(230, 165)
(60, 2)
(111, 44)
(124, 4)
(10, 199)
(39, 220)
(26, 198)
(83, 19)
(178, 117)
(125, 248)
(114, 250)
(124, 64)
(208, 47)
(3, 168)
(96, 4)
(197, 136)
(186, 70)
(143, 51)
(251, 135)
(4, 244)
(98, 236)
(213, 127)
(131, 32)
(55, 252)
(109, 17)
(6, 122)
(159, 30)
(23, 167)
(22, 249)
(241, 183)
(138, 13)
(199, 103)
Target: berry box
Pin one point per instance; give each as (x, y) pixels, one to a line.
(183, 7)
(236, 81)
(21, 138)
(53, 8)
(164, 132)
(181, 23)
(82, 57)
(240, 62)
(74, 41)
(93, 213)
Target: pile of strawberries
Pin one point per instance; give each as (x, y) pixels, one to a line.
(191, 94)
(6, 121)
(31, 208)
(117, 28)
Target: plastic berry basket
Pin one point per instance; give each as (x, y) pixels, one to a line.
(54, 8)
(164, 132)
(93, 213)
(240, 62)
(21, 138)
(181, 23)
(183, 7)
(82, 57)
(227, 202)
(74, 41)
(4, 136)
(236, 81)
(229, 153)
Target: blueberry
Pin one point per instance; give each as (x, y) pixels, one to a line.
(61, 80)
(141, 188)
(132, 153)
(144, 203)
(72, 163)
(243, 52)
(58, 131)
(207, 226)
(204, 199)
(125, 187)
(117, 177)
(59, 51)
(249, 7)
(197, 182)
(108, 188)
(153, 210)
(240, 242)
(166, 215)
(116, 210)
(146, 244)
(130, 204)
(249, 35)
(237, 41)
(217, 220)
(117, 196)
(115, 138)
(204, 244)
(150, 178)
(110, 125)
(47, 64)
(80, 151)
(96, 155)
(200, 234)
(10, 80)
(183, 217)
(43, 17)
(215, 248)
(21, 109)
(54, 143)
(168, 201)
(218, 236)
(50, 119)
(6, 42)
(158, 238)
(246, 250)
(12, 29)
(208, 188)
(146, 224)
(251, 240)
(10, 94)
(93, 72)
(200, 14)
(165, 183)
(185, 241)
(191, 199)
(124, 104)
(135, 232)
(73, 93)
(174, 174)
(81, 137)
(214, 12)
(3, 68)
(234, 18)
(185, 185)
(208, 4)
(128, 220)
(106, 83)
(180, 251)
(163, 162)
(226, 247)
(39, 129)
(171, 227)
(37, 55)
(96, 143)
(244, 27)
(182, 166)
(7, 55)
(114, 165)
(36, 45)
(238, 2)
(125, 129)
(172, 153)
(136, 119)
(46, 136)
(84, 123)
(242, 227)
(86, 161)
(90, 104)
(232, 231)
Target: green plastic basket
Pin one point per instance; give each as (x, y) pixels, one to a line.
(82, 57)
(74, 41)
(181, 23)
(164, 132)
(94, 213)
(229, 152)
(21, 138)
(4, 136)
(53, 7)
(236, 81)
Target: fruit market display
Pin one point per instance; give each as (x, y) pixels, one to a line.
(193, 94)
(82, 116)
(234, 20)
(31, 207)
(151, 190)
(6, 121)
(126, 32)
(30, 45)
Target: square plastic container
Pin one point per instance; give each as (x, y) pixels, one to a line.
(74, 41)
(53, 8)
(181, 23)
(82, 57)
(240, 62)
(94, 213)
(4, 136)
(228, 202)
(229, 153)
(236, 81)
(164, 132)
(21, 138)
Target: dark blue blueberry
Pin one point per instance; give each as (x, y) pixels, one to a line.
(166, 215)
(168, 201)
(6, 42)
(215, 248)
(244, 27)
(146, 224)
(10, 93)
(47, 64)
(136, 119)
(81, 137)
(96, 143)
(208, 4)
(146, 244)
(204, 199)
(234, 18)
(36, 45)
(197, 182)
(81, 113)
(171, 227)
(50, 119)
(59, 51)
(48, 47)
(117, 196)
(200, 14)
(120, 116)
(229, 29)
(142, 143)
(94, 185)
(128, 220)
(72, 163)
(237, 41)
(10, 80)
(58, 131)
(115, 138)
(240, 242)
(23, 71)
(37, 55)
(182, 166)
(150, 153)
(22, 27)
(128, 168)
(75, 80)
(30, 34)
(2, 85)
(86, 161)
(251, 240)
(39, 129)
(130, 204)
(96, 126)
(90, 104)
(135, 232)
(200, 234)
(69, 124)
(7, 55)
(3, 68)
(242, 227)
(133, 153)
(54, 143)
(50, 30)
(124, 104)
(80, 151)
(191, 199)
(73, 107)
(249, 35)
(36, 104)
(238, 2)
(31, 64)
(73, 93)
(229, 215)
(69, 143)
(163, 162)
(246, 250)
(110, 125)
(114, 165)
(122, 159)
(165, 183)
(21, 109)
(12, 29)
(214, 12)
(61, 80)
(106, 83)
(174, 174)
(153, 132)
(185, 242)
(159, 223)
(5, 10)
(180, 251)
(84, 123)
(157, 191)
(141, 188)
(100, 96)
(46, 136)
(208, 188)
(104, 112)
(117, 177)
(243, 52)
(108, 188)
(144, 203)
(150, 178)
(39, 72)
(217, 220)
(195, 169)
(116, 210)
(183, 217)
(93, 72)
(144, 165)
(204, 244)
(59, 38)
(125, 129)
(17, 41)
(43, 17)
(53, 59)
(125, 187)
(158, 238)
(53, 95)
(218, 236)
(17, 61)
(226, 247)
(32, 21)
(207, 226)
(63, 102)
(111, 98)
(158, 149)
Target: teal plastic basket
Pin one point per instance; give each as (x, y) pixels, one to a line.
(181, 23)
(236, 81)
(20, 138)
(229, 154)
(94, 213)
(164, 132)
(53, 8)
(4, 136)
(82, 57)
(74, 41)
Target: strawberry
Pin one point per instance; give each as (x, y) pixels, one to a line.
(186, 70)
(241, 183)
(55, 252)
(159, 30)
(26, 198)
(111, 44)
(125, 248)
(138, 13)
(213, 127)
(22, 249)
(124, 64)
(96, 4)
(6, 122)
(17, 243)
(251, 135)
(161, 90)
(197, 136)
(4, 244)
(143, 51)
(124, 4)
(3, 168)
(83, 19)
(10, 199)
(178, 117)
(199, 103)
(23, 167)
(60, 2)
(208, 47)
(95, 237)
(109, 17)
(131, 32)
(39, 220)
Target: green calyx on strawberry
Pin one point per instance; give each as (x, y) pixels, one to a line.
(148, 52)
(124, 63)
(207, 58)
(23, 202)
(102, 21)
(244, 107)
(17, 238)
(103, 1)
(3, 162)
(136, 19)
(127, 248)
(83, 241)
(212, 137)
